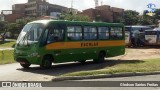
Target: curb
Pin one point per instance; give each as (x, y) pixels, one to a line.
(127, 74)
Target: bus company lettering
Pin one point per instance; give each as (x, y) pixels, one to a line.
(89, 44)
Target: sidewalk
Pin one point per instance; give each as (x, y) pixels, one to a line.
(1, 49)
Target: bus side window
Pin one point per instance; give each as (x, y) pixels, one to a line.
(55, 35)
(90, 33)
(74, 33)
(116, 32)
(103, 33)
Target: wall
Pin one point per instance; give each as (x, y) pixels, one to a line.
(104, 13)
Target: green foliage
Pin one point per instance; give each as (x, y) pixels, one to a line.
(149, 65)
(6, 57)
(15, 28)
(157, 14)
(72, 17)
(146, 19)
(7, 44)
(131, 17)
(3, 26)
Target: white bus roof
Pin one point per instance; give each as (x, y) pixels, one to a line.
(138, 26)
(155, 29)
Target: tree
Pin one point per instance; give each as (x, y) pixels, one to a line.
(3, 29)
(72, 17)
(156, 16)
(131, 17)
(146, 19)
(3, 26)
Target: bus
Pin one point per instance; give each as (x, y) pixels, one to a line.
(44, 42)
(152, 37)
(135, 35)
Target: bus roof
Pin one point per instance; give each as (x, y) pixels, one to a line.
(155, 29)
(138, 26)
(76, 22)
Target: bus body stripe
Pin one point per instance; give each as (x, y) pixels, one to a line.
(84, 44)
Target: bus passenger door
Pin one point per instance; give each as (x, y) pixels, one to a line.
(56, 42)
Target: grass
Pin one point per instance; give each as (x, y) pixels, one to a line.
(7, 44)
(148, 65)
(6, 57)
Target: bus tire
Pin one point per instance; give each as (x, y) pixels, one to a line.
(101, 58)
(25, 65)
(46, 63)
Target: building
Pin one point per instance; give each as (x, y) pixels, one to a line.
(72, 10)
(12, 16)
(55, 10)
(104, 13)
(2, 17)
(36, 8)
(117, 13)
(43, 8)
(18, 8)
(17, 12)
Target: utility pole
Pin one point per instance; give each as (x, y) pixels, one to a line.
(101, 2)
(71, 6)
(96, 3)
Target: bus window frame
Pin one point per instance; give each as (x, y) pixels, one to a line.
(101, 32)
(90, 32)
(66, 33)
(123, 35)
(51, 25)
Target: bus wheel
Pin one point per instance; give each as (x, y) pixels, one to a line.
(46, 63)
(25, 65)
(101, 58)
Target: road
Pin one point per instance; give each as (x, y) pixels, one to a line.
(134, 78)
(14, 72)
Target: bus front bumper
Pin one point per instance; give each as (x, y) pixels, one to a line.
(28, 59)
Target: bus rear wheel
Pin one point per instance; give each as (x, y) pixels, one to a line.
(46, 63)
(25, 65)
(101, 58)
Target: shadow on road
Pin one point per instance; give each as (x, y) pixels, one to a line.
(60, 69)
(146, 47)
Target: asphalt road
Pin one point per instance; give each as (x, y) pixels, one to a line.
(14, 72)
(136, 78)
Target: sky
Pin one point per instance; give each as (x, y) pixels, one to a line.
(138, 5)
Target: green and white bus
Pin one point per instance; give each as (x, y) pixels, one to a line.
(44, 42)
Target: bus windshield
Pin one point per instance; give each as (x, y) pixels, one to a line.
(30, 34)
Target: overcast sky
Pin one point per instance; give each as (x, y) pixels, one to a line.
(138, 5)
